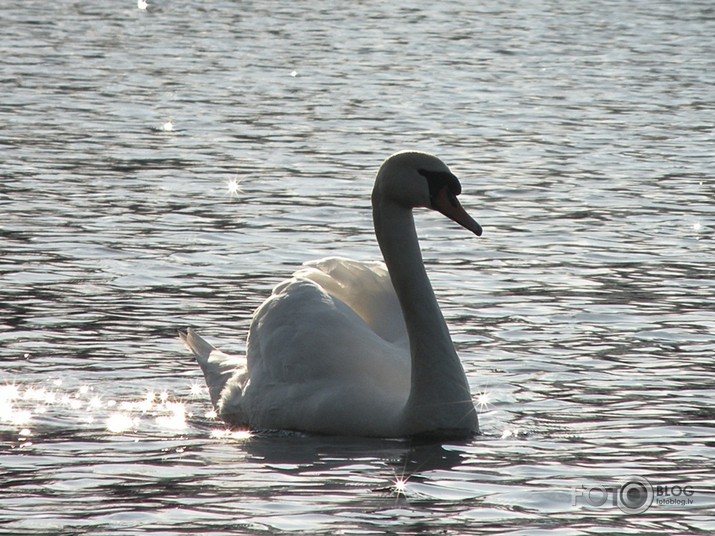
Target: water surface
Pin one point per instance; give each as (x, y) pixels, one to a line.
(583, 136)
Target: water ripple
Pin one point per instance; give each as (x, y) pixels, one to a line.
(583, 138)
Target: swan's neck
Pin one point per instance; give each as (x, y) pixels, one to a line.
(439, 397)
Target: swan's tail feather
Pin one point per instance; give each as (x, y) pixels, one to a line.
(217, 367)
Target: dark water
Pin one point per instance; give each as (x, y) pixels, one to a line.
(583, 134)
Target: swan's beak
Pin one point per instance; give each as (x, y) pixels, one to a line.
(448, 204)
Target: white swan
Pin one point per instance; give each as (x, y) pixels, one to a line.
(355, 348)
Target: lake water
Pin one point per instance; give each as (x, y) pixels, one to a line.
(583, 133)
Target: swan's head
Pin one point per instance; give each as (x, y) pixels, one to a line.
(413, 179)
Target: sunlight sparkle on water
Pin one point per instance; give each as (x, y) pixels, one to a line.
(28, 406)
(9, 392)
(197, 389)
(238, 435)
(118, 423)
(176, 417)
(71, 402)
(510, 433)
(12, 415)
(400, 486)
(144, 405)
(233, 185)
(483, 400)
(18, 407)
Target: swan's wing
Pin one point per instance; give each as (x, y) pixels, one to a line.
(320, 350)
(366, 288)
(218, 368)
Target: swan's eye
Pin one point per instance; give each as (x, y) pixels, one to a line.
(437, 180)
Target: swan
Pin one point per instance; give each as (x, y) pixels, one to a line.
(355, 348)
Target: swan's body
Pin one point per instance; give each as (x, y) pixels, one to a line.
(354, 348)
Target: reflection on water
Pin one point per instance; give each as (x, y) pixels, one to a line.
(164, 165)
(26, 405)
